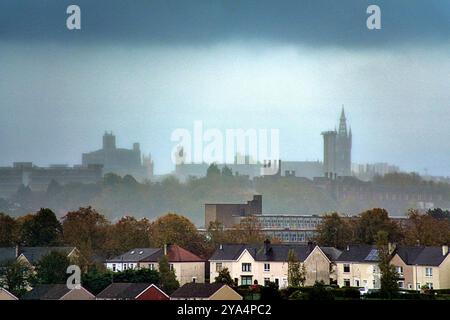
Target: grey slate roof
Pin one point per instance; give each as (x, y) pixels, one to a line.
(359, 253)
(46, 292)
(197, 290)
(7, 254)
(34, 254)
(126, 291)
(276, 252)
(135, 255)
(421, 255)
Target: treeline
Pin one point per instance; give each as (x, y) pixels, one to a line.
(97, 238)
(427, 229)
(116, 196)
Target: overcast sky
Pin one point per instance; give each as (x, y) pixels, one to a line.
(144, 68)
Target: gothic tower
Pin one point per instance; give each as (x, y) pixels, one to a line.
(337, 150)
(343, 148)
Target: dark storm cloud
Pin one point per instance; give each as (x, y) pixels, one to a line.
(199, 22)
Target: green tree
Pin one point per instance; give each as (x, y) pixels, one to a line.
(296, 271)
(16, 276)
(334, 231)
(168, 280)
(137, 275)
(213, 171)
(224, 277)
(389, 277)
(96, 280)
(51, 269)
(371, 222)
(227, 172)
(41, 229)
(9, 228)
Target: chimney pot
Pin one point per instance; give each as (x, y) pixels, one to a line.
(444, 250)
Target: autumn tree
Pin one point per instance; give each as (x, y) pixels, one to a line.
(9, 231)
(176, 229)
(168, 279)
(370, 222)
(334, 231)
(40, 229)
(85, 229)
(248, 231)
(426, 230)
(52, 268)
(128, 233)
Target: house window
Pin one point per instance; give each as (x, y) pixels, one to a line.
(277, 282)
(375, 269)
(410, 286)
(401, 284)
(218, 266)
(124, 267)
(246, 267)
(151, 266)
(171, 267)
(114, 267)
(346, 282)
(356, 282)
(346, 268)
(418, 286)
(429, 272)
(131, 266)
(399, 270)
(246, 280)
(266, 267)
(266, 281)
(194, 279)
(430, 285)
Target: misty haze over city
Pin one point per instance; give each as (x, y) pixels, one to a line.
(148, 70)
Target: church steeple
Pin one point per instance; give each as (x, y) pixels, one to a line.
(343, 123)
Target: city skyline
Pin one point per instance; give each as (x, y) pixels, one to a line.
(163, 65)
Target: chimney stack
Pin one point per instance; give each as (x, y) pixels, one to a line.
(266, 246)
(444, 250)
(221, 246)
(17, 251)
(165, 249)
(391, 247)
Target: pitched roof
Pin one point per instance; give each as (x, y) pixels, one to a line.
(134, 255)
(421, 255)
(34, 254)
(359, 253)
(125, 291)
(8, 293)
(178, 254)
(48, 292)
(275, 252)
(175, 253)
(197, 290)
(7, 254)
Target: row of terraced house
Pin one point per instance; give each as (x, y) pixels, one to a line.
(248, 264)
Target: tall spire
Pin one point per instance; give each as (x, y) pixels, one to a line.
(342, 113)
(343, 123)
